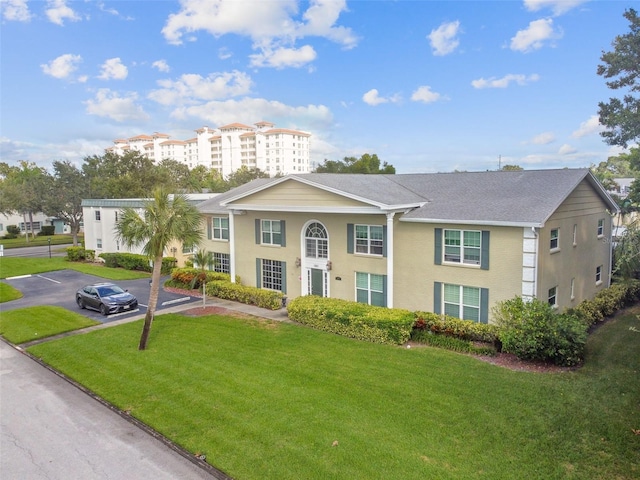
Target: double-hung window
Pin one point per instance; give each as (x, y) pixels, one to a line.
(601, 227)
(220, 228)
(270, 232)
(554, 241)
(553, 296)
(369, 239)
(598, 274)
(97, 213)
(462, 302)
(370, 289)
(462, 246)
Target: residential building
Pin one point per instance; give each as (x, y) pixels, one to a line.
(452, 243)
(100, 217)
(23, 222)
(276, 151)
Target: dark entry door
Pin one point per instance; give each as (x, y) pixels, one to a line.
(317, 282)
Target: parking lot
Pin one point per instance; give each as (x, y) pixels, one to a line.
(59, 288)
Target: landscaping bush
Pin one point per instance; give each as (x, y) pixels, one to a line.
(47, 231)
(137, 262)
(80, 254)
(352, 319)
(190, 278)
(259, 297)
(455, 327)
(450, 343)
(607, 302)
(533, 331)
(13, 230)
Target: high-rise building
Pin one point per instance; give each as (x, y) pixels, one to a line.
(226, 149)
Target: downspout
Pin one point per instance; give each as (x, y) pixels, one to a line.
(535, 263)
(232, 247)
(390, 278)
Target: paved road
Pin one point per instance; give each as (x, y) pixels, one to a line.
(49, 429)
(41, 251)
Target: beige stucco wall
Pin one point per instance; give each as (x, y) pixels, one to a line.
(583, 208)
(298, 194)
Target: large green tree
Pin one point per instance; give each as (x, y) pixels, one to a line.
(64, 197)
(164, 219)
(367, 163)
(244, 175)
(621, 67)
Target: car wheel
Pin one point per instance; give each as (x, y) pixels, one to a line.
(80, 303)
(104, 310)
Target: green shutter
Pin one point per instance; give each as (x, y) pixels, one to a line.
(484, 305)
(384, 241)
(484, 254)
(350, 237)
(283, 266)
(209, 220)
(438, 246)
(258, 238)
(283, 234)
(258, 273)
(437, 297)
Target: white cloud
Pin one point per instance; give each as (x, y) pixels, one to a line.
(59, 11)
(590, 127)
(63, 66)
(224, 53)
(284, 57)
(558, 7)
(192, 88)
(113, 69)
(373, 98)
(535, 36)
(274, 27)
(566, 149)
(15, 10)
(544, 138)
(425, 95)
(161, 65)
(247, 110)
(444, 38)
(504, 82)
(110, 104)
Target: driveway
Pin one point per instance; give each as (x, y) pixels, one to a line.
(59, 288)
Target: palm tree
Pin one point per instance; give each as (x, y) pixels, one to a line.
(164, 219)
(202, 259)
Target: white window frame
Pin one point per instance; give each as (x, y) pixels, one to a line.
(97, 215)
(221, 262)
(271, 274)
(367, 245)
(599, 275)
(316, 243)
(268, 232)
(369, 289)
(220, 232)
(98, 243)
(554, 241)
(552, 296)
(462, 249)
(575, 234)
(600, 227)
(463, 308)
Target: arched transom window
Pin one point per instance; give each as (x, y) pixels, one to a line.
(316, 241)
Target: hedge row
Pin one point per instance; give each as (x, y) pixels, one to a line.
(451, 343)
(193, 277)
(356, 320)
(607, 302)
(455, 327)
(80, 254)
(134, 261)
(271, 299)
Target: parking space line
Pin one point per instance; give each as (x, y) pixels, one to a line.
(177, 300)
(17, 277)
(47, 278)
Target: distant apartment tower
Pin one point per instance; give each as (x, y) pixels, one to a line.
(226, 149)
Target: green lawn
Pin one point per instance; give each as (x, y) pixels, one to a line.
(8, 293)
(15, 266)
(279, 401)
(25, 324)
(60, 239)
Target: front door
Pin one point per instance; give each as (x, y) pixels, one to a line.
(317, 282)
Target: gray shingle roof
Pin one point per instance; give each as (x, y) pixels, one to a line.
(525, 197)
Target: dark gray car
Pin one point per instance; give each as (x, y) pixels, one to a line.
(106, 298)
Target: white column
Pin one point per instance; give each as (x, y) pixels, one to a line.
(390, 279)
(232, 247)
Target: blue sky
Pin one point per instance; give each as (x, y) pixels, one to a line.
(429, 86)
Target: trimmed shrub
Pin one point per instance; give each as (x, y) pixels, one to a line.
(533, 331)
(352, 319)
(455, 327)
(80, 254)
(259, 297)
(450, 343)
(607, 302)
(186, 277)
(128, 261)
(47, 231)
(13, 230)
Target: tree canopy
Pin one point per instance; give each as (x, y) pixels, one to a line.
(621, 66)
(367, 163)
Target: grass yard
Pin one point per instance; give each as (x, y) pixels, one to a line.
(8, 293)
(25, 324)
(279, 401)
(15, 266)
(39, 240)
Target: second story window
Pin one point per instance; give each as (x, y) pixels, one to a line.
(369, 239)
(554, 242)
(270, 232)
(462, 246)
(97, 215)
(601, 227)
(220, 228)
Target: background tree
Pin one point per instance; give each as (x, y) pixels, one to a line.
(175, 176)
(511, 168)
(621, 117)
(64, 197)
(368, 164)
(208, 179)
(165, 219)
(625, 165)
(244, 175)
(22, 191)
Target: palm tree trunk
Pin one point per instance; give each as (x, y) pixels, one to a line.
(153, 301)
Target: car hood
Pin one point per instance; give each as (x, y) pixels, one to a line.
(119, 298)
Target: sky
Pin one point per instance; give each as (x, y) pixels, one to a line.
(428, 86)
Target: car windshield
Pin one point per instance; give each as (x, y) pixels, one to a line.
(109, 290)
